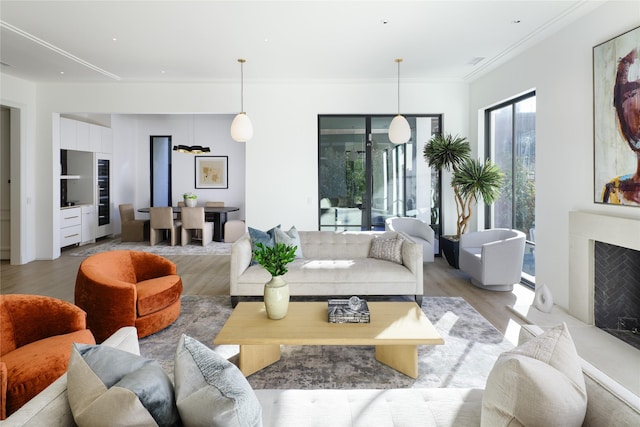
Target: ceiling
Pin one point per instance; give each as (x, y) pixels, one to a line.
(200, 41)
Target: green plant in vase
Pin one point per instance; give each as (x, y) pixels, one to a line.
(274, 259)
(190, 199)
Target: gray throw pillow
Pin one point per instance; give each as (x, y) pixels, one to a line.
(210, 390)
(107, 386)
(389, 249)
(539, 383)
(291, 238)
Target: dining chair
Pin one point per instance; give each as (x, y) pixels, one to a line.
(161, 221)
(214, 204)
(133, 230)
(193, 221)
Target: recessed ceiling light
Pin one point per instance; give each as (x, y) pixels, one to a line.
(384, 21)
(114, 39)
(515, 21)
(61, 72)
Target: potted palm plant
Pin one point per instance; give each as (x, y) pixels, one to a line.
(274, 259)
(471, 180)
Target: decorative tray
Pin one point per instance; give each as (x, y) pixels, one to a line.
(342, 311)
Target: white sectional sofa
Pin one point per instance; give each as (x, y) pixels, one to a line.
(608, 404)
(333, 264)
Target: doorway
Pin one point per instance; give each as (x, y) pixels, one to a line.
(160, 159)
(5, 183)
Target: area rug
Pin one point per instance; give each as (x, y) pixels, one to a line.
(162, 248)
(471, 347)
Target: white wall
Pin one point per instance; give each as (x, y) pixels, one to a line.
(20, 96)
(281, 160)
(560, 70)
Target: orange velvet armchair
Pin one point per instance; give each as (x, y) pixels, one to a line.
(128, 288)
(36, 334)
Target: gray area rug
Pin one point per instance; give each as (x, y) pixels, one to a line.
(162, 248)
(471, 347)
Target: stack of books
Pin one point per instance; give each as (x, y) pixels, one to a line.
(341, 312)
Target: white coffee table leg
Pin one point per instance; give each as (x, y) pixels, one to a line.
(256, 357)
(402, 358)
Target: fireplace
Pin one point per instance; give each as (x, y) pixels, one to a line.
(590, 233)
(617, 291)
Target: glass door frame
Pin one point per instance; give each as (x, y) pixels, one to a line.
(369, 136)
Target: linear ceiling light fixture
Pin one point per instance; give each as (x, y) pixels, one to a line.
(191, 149)
(57, 50)
(399, 129)
(241, 127)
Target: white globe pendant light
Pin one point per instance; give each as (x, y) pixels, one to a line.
(241, 127)
(399, 129)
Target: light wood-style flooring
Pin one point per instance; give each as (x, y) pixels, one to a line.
(209, 275)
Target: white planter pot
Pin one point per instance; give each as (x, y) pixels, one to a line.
(190, 202)
(276, 298)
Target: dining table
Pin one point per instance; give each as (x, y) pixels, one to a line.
(215, 214)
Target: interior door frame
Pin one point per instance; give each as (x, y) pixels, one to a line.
(151, 168)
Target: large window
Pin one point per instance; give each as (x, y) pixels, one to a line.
(365, 179)
(511, 139)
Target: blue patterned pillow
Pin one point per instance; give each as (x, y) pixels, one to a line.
(107, 386)
(267, 238)
(210, 390)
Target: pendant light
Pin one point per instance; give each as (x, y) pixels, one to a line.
(192, 149)
(399, 129)
(241, 127)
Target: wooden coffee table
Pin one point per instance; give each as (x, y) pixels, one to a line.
(396, 329)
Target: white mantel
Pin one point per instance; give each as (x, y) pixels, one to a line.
(584, 230)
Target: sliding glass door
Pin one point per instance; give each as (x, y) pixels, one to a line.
(365, 179)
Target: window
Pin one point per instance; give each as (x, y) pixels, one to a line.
(365, 179)
(511, 140)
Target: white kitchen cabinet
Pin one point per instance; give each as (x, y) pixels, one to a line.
(68, 134)
(82, 136)
(70, 226)
(95, 138)
(88, 224)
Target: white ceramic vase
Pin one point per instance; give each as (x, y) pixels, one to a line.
(190, 202)
(276, 298)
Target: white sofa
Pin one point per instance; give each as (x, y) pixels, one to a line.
(417, 230)
(608, 404)
(334, 264)
(493, 258)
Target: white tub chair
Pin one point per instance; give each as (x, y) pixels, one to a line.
(418, 230)
(493, 258)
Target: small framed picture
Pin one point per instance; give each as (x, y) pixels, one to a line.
(212, 171)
